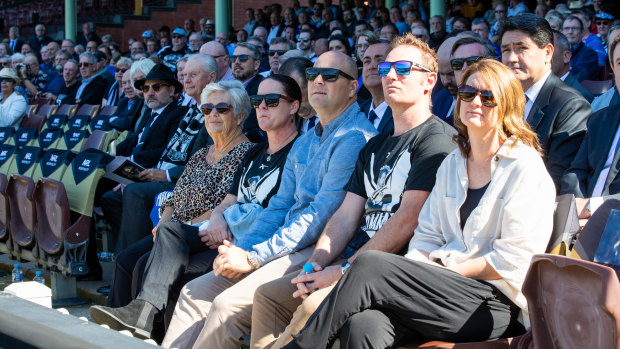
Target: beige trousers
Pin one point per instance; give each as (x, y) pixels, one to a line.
(216, 312)
(277, 315)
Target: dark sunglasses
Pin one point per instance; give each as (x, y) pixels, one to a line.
(242, 58)
(401, 67)
(457, 63)
(603, 22)
(122, 70)
(273, 52)
(6, 64)
(7, 80)
(328, 74)
(156, 87)
(177, 36)
(271, 99)
(221, 108)
(84, 64)
(468, 93)
(304, 40)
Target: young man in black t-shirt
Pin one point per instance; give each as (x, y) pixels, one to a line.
(394, 175)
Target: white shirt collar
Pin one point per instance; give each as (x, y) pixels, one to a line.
(379, 110)
(534, 90)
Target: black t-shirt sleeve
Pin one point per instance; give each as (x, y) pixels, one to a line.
(356, 182)
(428, 154)
(234, 186)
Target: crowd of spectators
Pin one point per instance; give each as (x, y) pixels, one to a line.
(397, 154)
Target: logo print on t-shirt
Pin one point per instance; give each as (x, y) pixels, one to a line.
(384, 191)
(258, 187)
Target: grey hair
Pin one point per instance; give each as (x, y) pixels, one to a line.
(488, 50)
(18, 56)
(207, 62)
(182, 59)
(125, 61)
(71, 41)
(39, 26)
(107, 37)
(64, 53)
(238, 95)
(144, 65)
(91, 57)
(253, 49)
(281, 40)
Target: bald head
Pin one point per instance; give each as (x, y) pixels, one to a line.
(331, 98)
(338, 60)
(219, 52)
(446, 47)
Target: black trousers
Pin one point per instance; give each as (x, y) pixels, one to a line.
(156, 272)
(128, 212)
(386, 300)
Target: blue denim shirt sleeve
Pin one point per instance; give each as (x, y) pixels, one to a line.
(304, 228)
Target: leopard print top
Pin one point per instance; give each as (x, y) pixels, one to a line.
(201, 187)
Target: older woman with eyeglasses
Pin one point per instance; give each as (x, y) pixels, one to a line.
(115, 91)
(490, 211)
(189, 250)
(12, 104)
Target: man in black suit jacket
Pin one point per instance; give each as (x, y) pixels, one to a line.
(160, 121)
(15, 43)
(560, 65)
(555, 111)
(245, 63)
(593, 174)
(40, 39)
(93, 87)
(444, 100)
(376, 109)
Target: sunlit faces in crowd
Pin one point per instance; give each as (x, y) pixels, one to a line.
(276, 108)
(70, 73)
(157, 93)
(329, 95)
(478, 110)
(374, 55)
(221, 115)
(527, 61)
(244, 65)
(128, 89)
(405, 86)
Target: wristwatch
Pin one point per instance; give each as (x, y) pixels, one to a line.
(253, 260)
(343, 268)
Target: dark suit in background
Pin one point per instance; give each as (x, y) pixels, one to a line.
(147, 150)
(559, 117)
(584, 62)
(387, 121)
(126, 116)
(17, 46)
(572, 81)
(250, 124)
(580, 179)
(441, 103)
(94, 92)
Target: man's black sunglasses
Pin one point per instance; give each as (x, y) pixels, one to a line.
(273, 52)
(328, 74)
(242, 58)
(458, 63)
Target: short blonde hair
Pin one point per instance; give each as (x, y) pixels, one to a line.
(510, 99)
(429, 57)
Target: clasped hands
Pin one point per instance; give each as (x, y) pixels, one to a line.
(232, 261)
(321, 278)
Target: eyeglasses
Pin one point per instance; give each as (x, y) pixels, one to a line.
(273, 52)
(603, 22)
(468, 93)
(271, 99)
(221, 108)
(458, 63)
(304, 39)
(7, 80)
(84, 64)
(121, 70)
(401, 67)
(156, 87)
(6, 64)
(177, 36)
(328, 74)
(242, 58)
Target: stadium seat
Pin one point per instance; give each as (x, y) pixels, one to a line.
(67, 109)
(21, 205)
(31, 109)
(26, 160)
(24, 136)
(99, 122)
(572, 303)
(47, 109)
(56, 121)
(49, 138)
(97, 140)
(590, 236)
(108, 110)
(36, 120)
(52, 164)
(5, 215)
(565, 225)
(41, 101)
(6, 133)
(88, 109)
(77, 122)
(7, 153)
(73, 140)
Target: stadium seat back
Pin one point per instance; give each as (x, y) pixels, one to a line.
(4, 208)
(565, 225)
(21, 204)
(77, 122)
(26, 161)
(24, 136)
(572, 303)
(81, 178)
(6, 133)
(7, 156)
(49, 138)
(53, 214)
(73, 140)
(53, 164)
(56, 121)
(99, 122)
(37, 121)
(108, 110)
(590, 236)
(88, 109)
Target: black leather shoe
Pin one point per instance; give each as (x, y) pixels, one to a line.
(136, 317)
